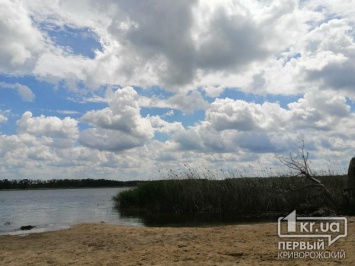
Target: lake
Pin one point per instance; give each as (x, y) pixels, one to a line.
(49, 210)
(55, 209)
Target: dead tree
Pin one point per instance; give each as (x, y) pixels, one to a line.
(299, 165)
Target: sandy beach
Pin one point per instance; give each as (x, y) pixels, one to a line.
(104, 244)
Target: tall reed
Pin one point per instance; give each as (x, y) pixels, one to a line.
(190, 193)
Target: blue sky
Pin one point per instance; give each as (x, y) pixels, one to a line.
(117, 90)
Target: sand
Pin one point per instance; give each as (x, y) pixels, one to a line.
(104, 244)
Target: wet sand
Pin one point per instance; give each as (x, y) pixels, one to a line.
(104, 244)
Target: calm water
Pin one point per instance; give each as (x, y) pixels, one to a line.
(56, 209)
(49, 210)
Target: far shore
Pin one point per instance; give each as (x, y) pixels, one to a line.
(58, 188)
(106, 244)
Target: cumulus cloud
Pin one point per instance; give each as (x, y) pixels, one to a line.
(189, 139)
(195, 50)
(264, 142)
(208, 38)
(110, 140)
(199, 43)
(49, 126)
(319, 110)
(16, 148)
(25, 92)
(123, 114)
(171, 46)
(165, 127)
(230, 41)
(20, 41)
(25, 156)
(231, 125)
(243, 116)
(120, 124)
(189, 102)
(54, 67)
(332, 7)
(322, 59)
(333, 48)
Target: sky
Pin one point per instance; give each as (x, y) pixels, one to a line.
(129, 90)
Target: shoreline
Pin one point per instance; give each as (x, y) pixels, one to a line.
(37, 229)
(109, 244)
(44, 228)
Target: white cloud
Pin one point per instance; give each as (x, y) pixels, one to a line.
(213, 91)
(28, 156)
(192, 49)
(187, 102)
(333, 47)
(123, 114)
(3, 118)
(25, 92)
(109, 140)
(20, 41)
(195, 39)
(331, 7)
(236, 125)
(204, 139)
(199, 44)
(169, 113)
(321, 59)
(49, 126)
(15, 148)
(81, 14)
(58, 66)
(120, 124)
(319, 110)
(165, 127)
(243, 116)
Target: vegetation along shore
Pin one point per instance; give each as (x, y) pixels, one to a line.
(63, 183)
(300, 189)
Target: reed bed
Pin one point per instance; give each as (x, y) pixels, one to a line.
(246, 196)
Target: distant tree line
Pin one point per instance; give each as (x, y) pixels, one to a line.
(63, 183)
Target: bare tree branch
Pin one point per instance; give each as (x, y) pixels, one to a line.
(299, 165)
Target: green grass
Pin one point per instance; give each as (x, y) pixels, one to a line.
(246, 196)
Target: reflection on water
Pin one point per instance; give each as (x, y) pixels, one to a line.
(56, 209)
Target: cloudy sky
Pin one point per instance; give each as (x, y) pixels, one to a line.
(125, 89)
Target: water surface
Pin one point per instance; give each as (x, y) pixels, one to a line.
(50, 210)
(60, 208)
